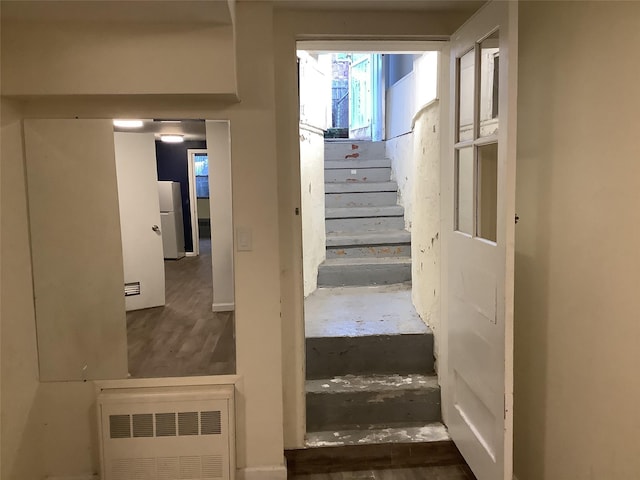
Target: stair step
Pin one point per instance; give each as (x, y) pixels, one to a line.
(353, 149)
(364, 224)
(360, 199)
(358, 163)
(390, 237)
(366, 355)
(362, 212)
(319, 458)
(373, 435)
(359, 187)
(351, 401)
(371, 251)
(357, 175)
(336, 272)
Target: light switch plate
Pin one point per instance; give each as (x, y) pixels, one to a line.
(244, 239)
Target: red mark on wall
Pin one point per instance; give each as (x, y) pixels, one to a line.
(354, 146)
(352, 155)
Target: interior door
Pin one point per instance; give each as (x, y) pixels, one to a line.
(478, 384)
(360, 96)
(140, 224)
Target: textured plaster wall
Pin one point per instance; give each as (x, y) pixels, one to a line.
(425, 233)
(577, 387)
(312, 201)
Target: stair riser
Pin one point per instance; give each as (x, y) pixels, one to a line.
(376, 274)
(366, 199)
(357, 175)
(353, 150)
(372, 224)
(353, 409)
(329, 357)
(372, 251)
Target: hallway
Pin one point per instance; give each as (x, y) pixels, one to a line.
(184, 337)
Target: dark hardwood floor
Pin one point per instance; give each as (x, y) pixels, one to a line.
(451, 472)
(184, 337)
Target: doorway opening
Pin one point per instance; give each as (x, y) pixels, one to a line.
(369, 163)
(173, 325)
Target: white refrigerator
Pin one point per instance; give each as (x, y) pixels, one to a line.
(171, 220)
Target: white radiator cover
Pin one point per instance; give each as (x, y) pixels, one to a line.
(167, 433)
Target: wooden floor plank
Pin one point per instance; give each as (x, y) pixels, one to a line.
(185, 337)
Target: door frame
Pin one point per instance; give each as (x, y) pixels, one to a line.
(298, 424)
(193, 200)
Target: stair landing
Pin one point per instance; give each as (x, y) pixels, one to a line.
(362, 311)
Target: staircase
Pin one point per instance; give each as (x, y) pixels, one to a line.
(366, 240)
(370, 371)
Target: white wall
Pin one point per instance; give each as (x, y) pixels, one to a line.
(20, 428)
(577, 387)
(404, 99)
(221, 214)
(142, 253)
(425, 233)
(312, 202)
(117, 58)
(315, 117)
(258, 321)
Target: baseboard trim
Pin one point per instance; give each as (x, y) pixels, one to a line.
(75, 477)
(262, 473)
(223, 307)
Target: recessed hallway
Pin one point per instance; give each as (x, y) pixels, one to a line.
(184, 337)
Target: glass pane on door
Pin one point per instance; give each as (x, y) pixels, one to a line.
(487, 192)
(464, 190)
(466, 72)
(489, 73)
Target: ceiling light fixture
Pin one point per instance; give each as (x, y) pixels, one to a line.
(128, 123)
(172, 138)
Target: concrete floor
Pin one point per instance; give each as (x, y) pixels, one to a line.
(361, 311)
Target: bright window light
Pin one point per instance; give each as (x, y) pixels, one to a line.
(172, 138)
(127, 123)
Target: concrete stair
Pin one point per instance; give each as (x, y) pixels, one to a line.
(370, 364)
(354, 401)
(366, 240)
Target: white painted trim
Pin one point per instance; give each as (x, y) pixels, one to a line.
(223, 307)
(371, 46)
(262, 473)
(193, 200)
(166, 382)
(76, 477)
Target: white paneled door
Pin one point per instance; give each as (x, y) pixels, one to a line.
(479, 256)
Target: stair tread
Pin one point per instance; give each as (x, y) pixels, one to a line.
(372, 384)
(364, 212)
(340, 239)
(368, 163)
(360, 187)
(366, 261)
(372, 434)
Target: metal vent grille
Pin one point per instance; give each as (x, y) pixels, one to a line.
(165, 424)
(212, 466)
(119, 426)
(188, 423)
(143, 425)
(134, 469)
(168, 468)
(190, 468)
(210, 423)
(131, 288)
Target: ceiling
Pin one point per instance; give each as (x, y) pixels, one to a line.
(190, 129)
(135, 11)
(468, 6)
